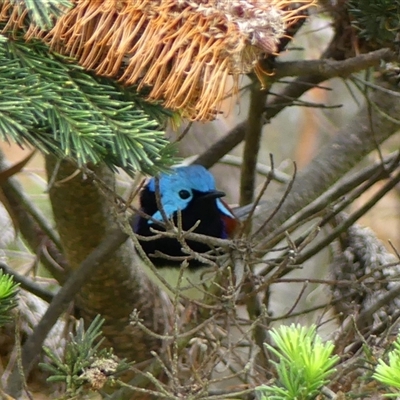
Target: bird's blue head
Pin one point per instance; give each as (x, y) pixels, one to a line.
(179, 188)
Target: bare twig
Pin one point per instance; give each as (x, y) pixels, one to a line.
(318, 71)
(262, 169)
(28, 284)
(32, 346)
(303, 103)
(334, 160)
(350, 220)
(35, 227)
(371, 174)
(247, 224)
(184, 132)
(332, 68)
(279, 205)
(252, 144)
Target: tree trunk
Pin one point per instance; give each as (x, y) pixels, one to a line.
(85, 213)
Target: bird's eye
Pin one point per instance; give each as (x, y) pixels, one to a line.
(184, 194)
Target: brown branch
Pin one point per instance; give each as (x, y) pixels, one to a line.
(349, 221)
(223, 146)
(236, 135)
(107, 278)
(32, 347)
(348, 184)
(34, 227)
(251, 149)
(349, 146)
(332, 68)
(28, 284)
(321, 70)
(380, 302)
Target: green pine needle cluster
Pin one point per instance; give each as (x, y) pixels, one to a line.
(389, 373)
(54, 105)
(8, 297)
(85, 366)
(377, 21)
(42, 13)
(304, 364)
(49, 102)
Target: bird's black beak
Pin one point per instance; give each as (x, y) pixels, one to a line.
(213, 194)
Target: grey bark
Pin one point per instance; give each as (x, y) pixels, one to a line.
(85, 214)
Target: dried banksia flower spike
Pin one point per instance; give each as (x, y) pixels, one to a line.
(182, 52)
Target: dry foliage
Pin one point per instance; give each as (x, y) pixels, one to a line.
(181, 52)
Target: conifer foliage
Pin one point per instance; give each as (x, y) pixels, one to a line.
(186, 54)
(377, 21)
(50, 102)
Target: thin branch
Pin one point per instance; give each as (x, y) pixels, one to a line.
(32, 347)
(348, 147)
(31, 208)
(332, 68)
(302, 103)
(347, 184)
(376, 87)
(386, 299)
(20, 368)
(174, 233)
(350, 220)
(252, 144)
(184, 132)
(35, 227)
(261, 169)
(246, 227)
(319, 71)
(236, 135)
(280, 203)
(135, 320)
(28, 284)
(312, 85)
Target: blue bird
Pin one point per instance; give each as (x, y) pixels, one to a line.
(190, 189)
